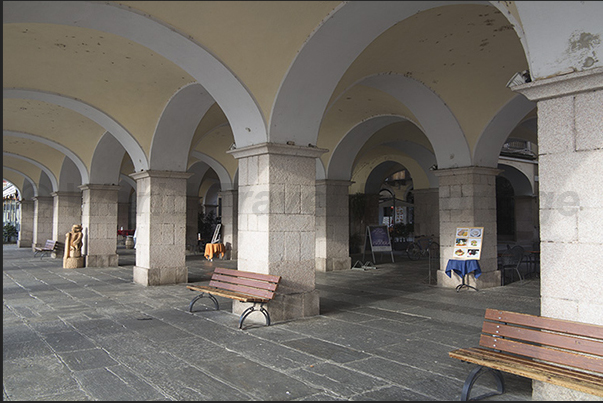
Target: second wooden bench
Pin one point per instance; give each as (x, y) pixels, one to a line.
(239, 285)
(49, 247)
(561, 352)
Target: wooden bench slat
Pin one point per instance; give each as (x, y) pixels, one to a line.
(589, 346)
(244, 281)
(228, 294)
(478, 355)
(559, 325)
(532, 369)
(247, 274)
(543, 353)
(242, 289)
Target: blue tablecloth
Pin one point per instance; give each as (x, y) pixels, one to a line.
(462, 267)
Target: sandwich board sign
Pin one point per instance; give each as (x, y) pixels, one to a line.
(216, 237)
(379, 240)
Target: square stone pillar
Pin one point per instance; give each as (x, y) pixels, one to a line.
(229, 222)
(277, 224)
(26, 228)
(67, 213)
(192, 220)
(42, 225)
(332, 225)
(427, 212)
(570, 144)
(468, 198)
(160, 227)
(99, 225)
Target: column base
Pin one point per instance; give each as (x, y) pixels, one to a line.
(283, 307)
(102, 260)
(333, 264)
(160, 276)
(485, 280)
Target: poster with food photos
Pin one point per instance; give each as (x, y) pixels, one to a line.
(468, 243)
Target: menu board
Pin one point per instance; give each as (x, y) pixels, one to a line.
(468, 243)
(379, 238)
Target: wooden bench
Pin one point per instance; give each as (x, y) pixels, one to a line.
(239, 285)
(561, 352)
(49, 247)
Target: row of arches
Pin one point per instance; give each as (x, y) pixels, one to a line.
(188, 105)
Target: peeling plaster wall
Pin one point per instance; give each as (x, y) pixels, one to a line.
(555, 47)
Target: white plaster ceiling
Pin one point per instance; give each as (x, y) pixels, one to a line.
(73, 71)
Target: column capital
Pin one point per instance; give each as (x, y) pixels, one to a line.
(334, 182)
(467, 171)
(277, 148)
(41, 198)
(426, 190)
(94, 186)
(560, 86)
(66, 194)
(160, 174)
(228, 191)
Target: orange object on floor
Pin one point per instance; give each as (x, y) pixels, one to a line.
(214, 248)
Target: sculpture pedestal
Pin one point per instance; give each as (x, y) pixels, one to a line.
(73, 262)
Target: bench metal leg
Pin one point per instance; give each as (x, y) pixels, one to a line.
(198, 297)
(476, 373)
(251, 309)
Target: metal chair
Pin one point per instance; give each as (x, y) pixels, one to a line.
(510, 260)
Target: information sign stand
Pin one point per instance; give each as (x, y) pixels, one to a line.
(379, 241)
(466, 254)
(216, 237)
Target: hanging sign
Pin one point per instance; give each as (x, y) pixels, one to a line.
(468, 243)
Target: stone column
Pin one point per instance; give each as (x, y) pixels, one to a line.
(570, 144)
(42, 226)
(160, 227)
(427, 212)
(67, 213)
(192, 220)
(229, 222)
(277, 223)
(26, 228)
(99, 223)
(468, 198)
(332, 225)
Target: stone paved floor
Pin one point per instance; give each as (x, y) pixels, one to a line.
(383, 334)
